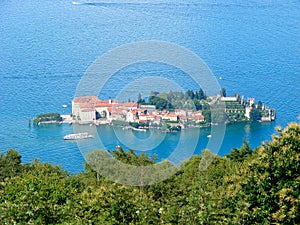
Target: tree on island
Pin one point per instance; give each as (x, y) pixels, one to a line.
(47, 117)
(170, 96)
(223, 92)
(259, 105)
(206, 112)
(139, 99)
(160, 102)
(201, 94)
(255, 114)
(190, 94)
(197, 104)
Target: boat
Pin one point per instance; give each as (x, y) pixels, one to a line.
(78, 136)
(64, 106)
(76, 3)
(209, 136)
(139, 129)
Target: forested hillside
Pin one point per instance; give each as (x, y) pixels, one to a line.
(259, 186)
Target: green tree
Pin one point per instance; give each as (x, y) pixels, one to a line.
(190, 94)
(170, 96)
(272, 187)
(10, 164)
(259, 105)
(255, 114)
(264, 188)
(197, 104)
(42, 195)
(206, 112)
(201, 94)
(47, 117)
(180, 95)
(139, 99)
(240, 154)
(132, 158)
(196, 95)
(246, 187)
(238, 97)
(161, 103)
(223, 92)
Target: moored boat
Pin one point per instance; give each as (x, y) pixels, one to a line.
(139, 129)
(78, 136)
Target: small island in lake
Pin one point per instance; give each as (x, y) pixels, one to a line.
(169, 112)
(47, 118)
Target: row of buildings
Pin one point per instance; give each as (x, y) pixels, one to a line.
(88, 109)
(240, 109)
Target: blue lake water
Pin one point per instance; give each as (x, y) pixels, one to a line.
(46, 46)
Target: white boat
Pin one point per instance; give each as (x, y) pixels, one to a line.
(209, 136)
(64, 106)
(76, 3)
(139, 129)
(78, 136)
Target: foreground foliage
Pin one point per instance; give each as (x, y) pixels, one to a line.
(258, 186)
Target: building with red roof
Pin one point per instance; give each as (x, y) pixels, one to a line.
(89, 108)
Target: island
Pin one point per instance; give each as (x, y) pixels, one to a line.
(169, 112)
(47, 118)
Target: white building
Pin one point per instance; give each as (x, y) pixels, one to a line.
(229, 99)
(149, 108)
(87, 115)
(247, 112)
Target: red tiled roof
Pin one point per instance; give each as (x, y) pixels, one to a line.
(87, 105)
(94, 99)
(108, 101)
(85, 99)
(116, 110)
(139, 110)
(170, 115)
(101, 104)
(200, 117)
(129, 104)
